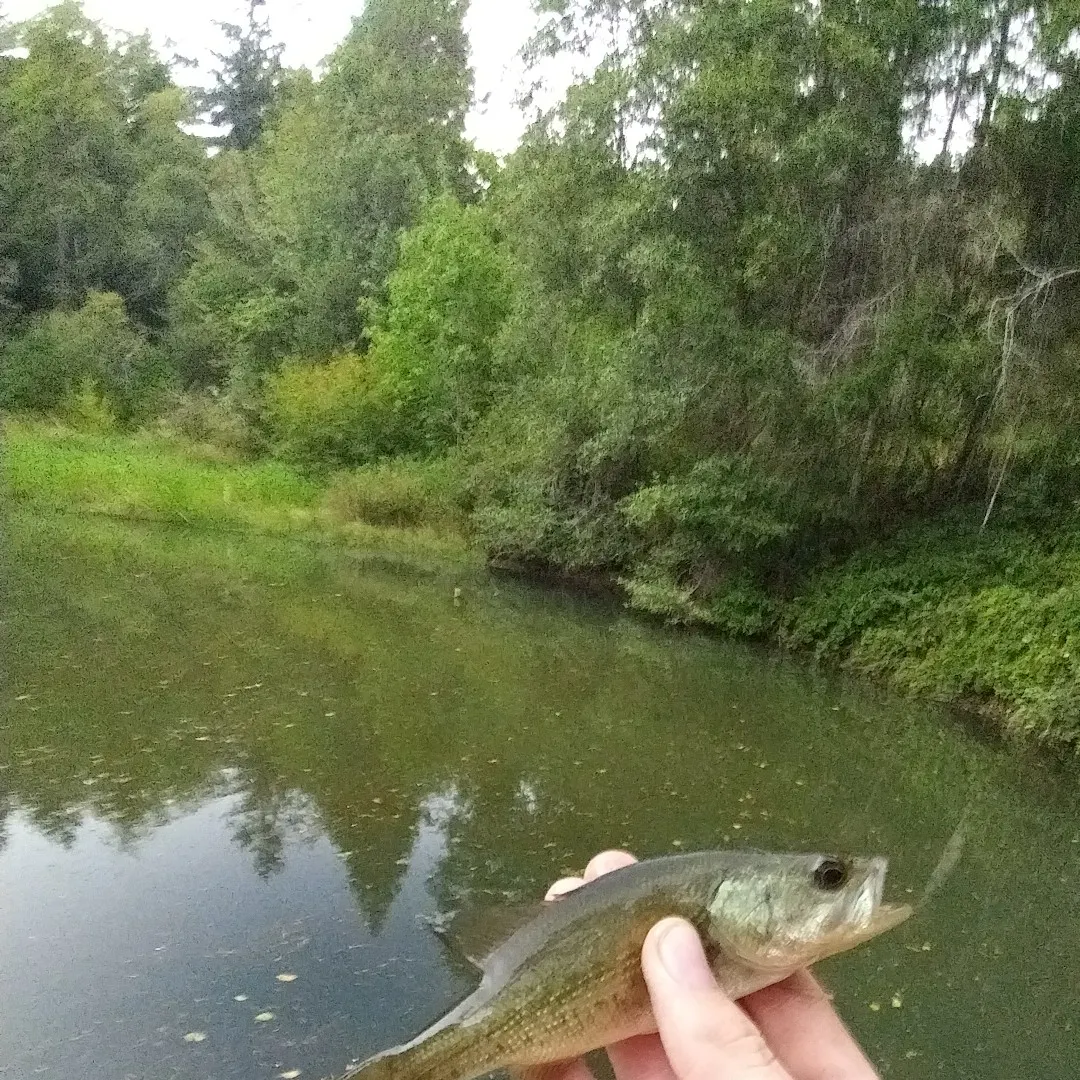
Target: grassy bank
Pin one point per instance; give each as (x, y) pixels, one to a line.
(152, 478)
(987, 619)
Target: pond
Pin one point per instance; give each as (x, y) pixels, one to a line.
(241, 778)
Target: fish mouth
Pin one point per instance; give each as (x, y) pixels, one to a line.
(884, 917)
(867, 900)
(869, 915)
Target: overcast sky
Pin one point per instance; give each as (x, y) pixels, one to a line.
(311, 29)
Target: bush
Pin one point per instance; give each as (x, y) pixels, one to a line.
(737, 606)
(88, 410)
(59, 352)
(209, 418)
(432, 343)
(321, 414)
(945, 612)
(401, 493)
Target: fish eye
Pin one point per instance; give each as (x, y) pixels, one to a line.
(831, 874)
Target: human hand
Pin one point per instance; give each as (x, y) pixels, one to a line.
(789, 1031)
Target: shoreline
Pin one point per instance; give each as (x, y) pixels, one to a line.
(978, 624)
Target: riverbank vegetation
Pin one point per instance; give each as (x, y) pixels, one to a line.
(399, 510)
(774, 318)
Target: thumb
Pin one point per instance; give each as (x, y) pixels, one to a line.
(706, 1036)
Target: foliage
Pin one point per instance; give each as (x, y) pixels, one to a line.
(209, 419)
(305, 229)
(61, 352)
(47, 468)
(324, 413)
(246, 84)
(773, 291)
(990, 620)
(433, 342)
(99, 187)
(141, 477)
(403, 494)
(87, 410)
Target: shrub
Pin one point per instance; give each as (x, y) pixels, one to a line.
(324, 413)
(56, 355)
(401, 493)
(946, 612)
(209, 418)
(88, 410)
(432, 343)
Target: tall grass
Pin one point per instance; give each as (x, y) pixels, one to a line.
(142, 477)
(403, 512)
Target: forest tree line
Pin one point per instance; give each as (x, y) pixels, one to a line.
(777, 280)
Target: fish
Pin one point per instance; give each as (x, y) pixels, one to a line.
(568, 980)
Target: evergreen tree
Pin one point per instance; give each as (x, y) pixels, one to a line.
(404, 71)
(247, 82)
(344, 168)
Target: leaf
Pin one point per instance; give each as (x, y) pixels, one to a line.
(263, 1017)
(286, 977)
(195, 1036)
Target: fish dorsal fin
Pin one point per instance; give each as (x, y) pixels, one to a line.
(477, 934)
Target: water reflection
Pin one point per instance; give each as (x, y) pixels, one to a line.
(221, 762)
(114, 950)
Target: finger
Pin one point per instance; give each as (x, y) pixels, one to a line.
(603, 863)
(563, 886)
(607, 861)
(640, 1058)
(797, 1017)
(705, 1034)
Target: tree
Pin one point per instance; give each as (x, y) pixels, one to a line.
(433, 344)
(404, 71)
(346, 166)
(100, 187)
(247, 82)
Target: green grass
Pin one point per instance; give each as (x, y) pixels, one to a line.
(151, 478)
(130, 476)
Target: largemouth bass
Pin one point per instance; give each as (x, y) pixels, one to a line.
(569, 980)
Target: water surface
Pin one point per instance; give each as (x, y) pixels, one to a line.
(224, 760)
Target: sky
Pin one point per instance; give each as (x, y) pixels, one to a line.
(311, 28)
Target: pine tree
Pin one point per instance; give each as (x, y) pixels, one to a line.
(247, 81)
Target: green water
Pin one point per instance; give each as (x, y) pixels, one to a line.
(223, 760)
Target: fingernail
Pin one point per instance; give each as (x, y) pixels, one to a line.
(682, 955)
